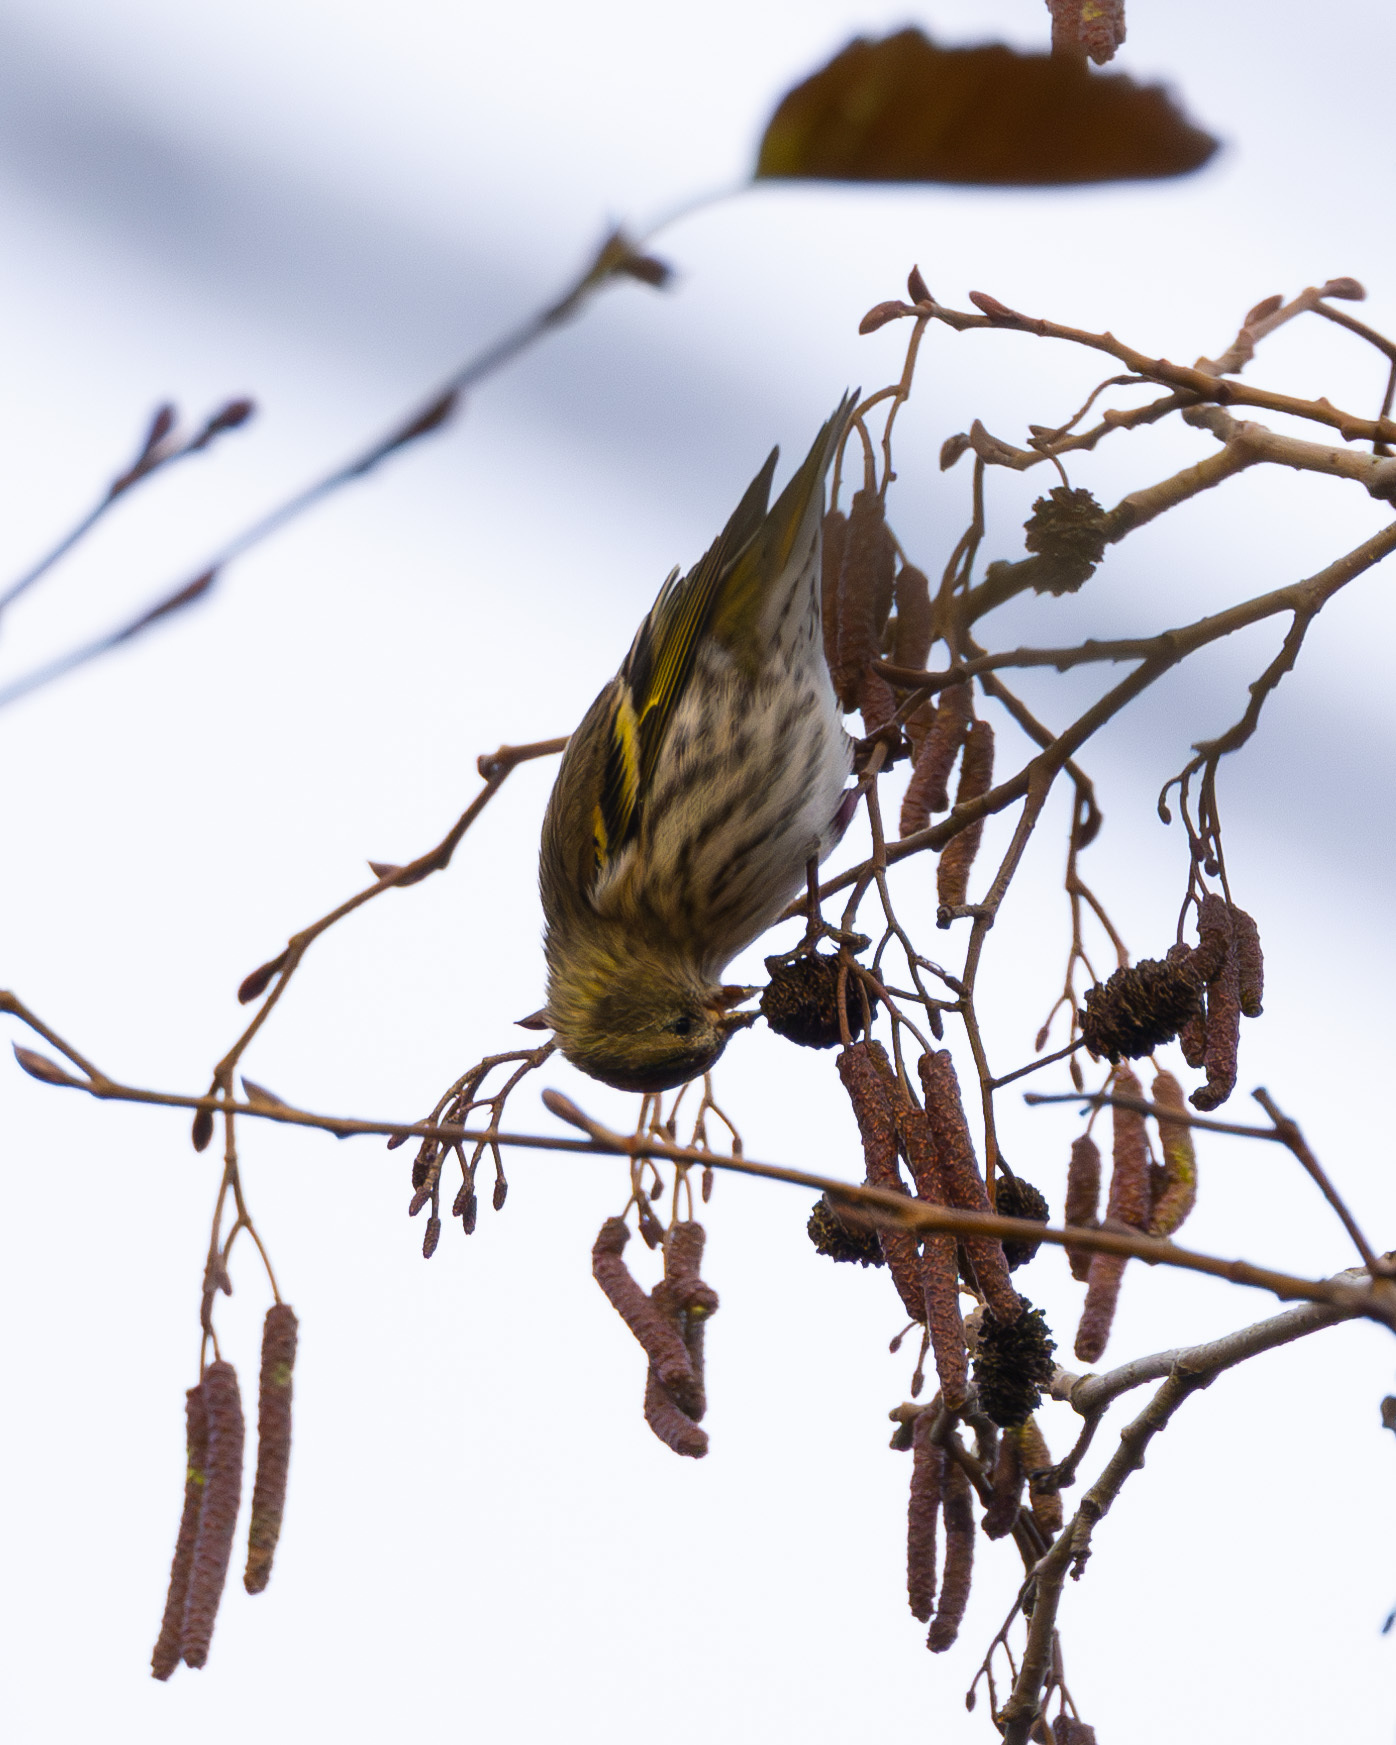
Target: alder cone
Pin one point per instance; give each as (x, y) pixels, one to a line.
(801, 1001)
(1140, 1007)
(831, 1236)
(1012, 1365)
(1015, 1197)
(1066, 532)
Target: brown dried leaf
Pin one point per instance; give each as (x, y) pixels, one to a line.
(905, 110)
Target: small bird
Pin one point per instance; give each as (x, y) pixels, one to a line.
(700, 784)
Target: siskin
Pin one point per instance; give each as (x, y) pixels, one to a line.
(700, 784)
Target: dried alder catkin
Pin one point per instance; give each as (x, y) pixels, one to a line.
(673, 1427)
(218, 1518)
(1001, 1516)
(964, 1186)
(1216, 927)
(912, 593)
(660, 1339)
(831, 561)
(940, 1280)
(864, 602)
(864, 1069)
(279, 1332)
(976, 778)
(928, 1465)
(166, 1656)
(1173, 1185)
(693, 1300)
(1129, 1204)
(958, 1512)
(1082, 1198)
(929, 788)
(1037, 1460)
(684, 1302)
(1250, 962)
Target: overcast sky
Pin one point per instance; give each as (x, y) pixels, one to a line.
(328, 206)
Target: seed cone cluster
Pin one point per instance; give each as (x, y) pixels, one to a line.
(1012, 1364)
(832, 1236)
(1142, 1006)
(1197, 993)
(801, 1000)
(1016, 1198)
(1068, 532)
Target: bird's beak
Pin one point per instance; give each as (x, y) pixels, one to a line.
(720, 1008)
(538, 1020)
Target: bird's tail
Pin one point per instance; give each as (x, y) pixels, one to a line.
(785, 537)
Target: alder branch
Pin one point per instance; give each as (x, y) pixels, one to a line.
(495, 767)
(1185, 1371)
(161, 448)
(876, 1206)
(1091, 1396)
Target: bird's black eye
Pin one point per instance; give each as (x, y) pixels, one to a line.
(683, 1026)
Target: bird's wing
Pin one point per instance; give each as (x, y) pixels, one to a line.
(658, 668)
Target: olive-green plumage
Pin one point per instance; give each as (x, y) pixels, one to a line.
(700, 783)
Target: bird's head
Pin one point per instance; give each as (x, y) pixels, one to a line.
(647, 1022)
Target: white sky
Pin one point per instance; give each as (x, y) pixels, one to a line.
(328, 206)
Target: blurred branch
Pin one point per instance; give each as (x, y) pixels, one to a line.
(616, 258)
(160, 449)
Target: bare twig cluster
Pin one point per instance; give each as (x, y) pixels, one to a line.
(937, 1207)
